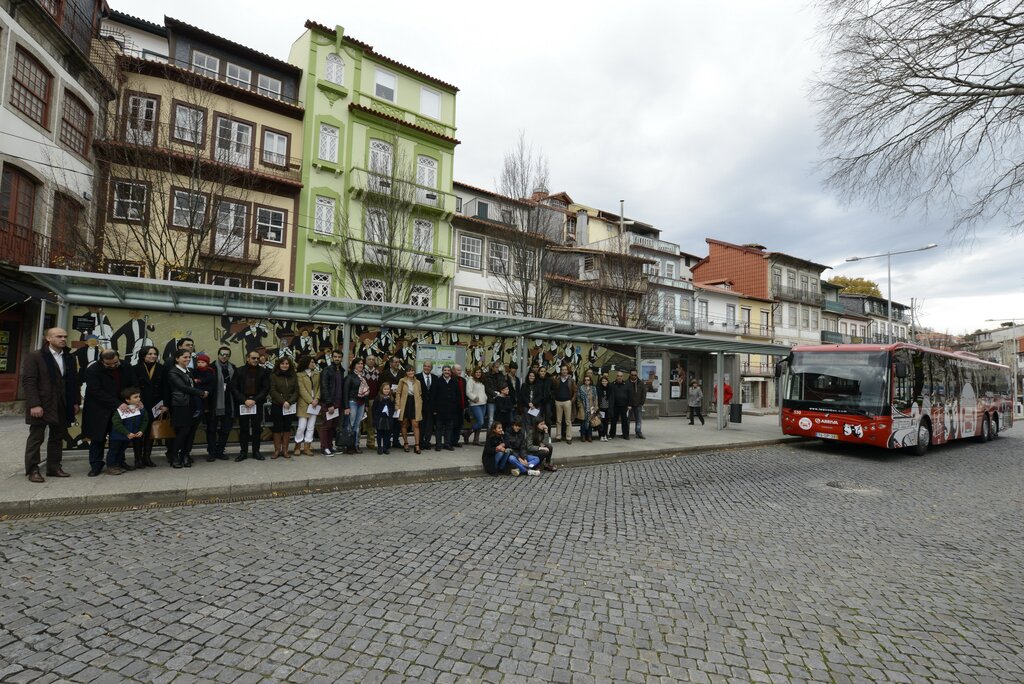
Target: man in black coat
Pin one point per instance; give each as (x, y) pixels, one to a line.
(104, 381)
(250, 387)
(618, 404)
(447, 402)
(428, 382)
(52, 398)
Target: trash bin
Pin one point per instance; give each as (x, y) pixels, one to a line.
(736, 413)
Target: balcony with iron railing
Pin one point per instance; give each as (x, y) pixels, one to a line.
(795, 294)
(729, 326)
(671, 324)
(366, 184)
(424, 263)
(761, 368)
(653, 244)
(22, 246)
(188, 151)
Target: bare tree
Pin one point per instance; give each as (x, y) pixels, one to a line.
(176, 202)
(620, 295)
(524, 179)
(395, 244)
(921, 106)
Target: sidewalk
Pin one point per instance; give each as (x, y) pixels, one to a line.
(226, 480)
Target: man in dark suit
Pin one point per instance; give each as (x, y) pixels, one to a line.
(427, 382)
(447, 403)
(52, 398)
(104, 381)
(457, 430)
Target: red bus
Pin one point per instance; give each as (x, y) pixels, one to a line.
(894, 396)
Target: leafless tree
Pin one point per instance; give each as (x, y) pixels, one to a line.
(396, 243)
(524, 179)
(175, 201)
(921, 106)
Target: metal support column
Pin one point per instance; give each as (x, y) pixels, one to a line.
(720, 415)
(346, 342)
(639, 357)
(521, 358)
(62, 313)
(38, 342)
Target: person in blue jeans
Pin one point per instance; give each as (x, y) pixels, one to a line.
(518, 460)
(128, 426)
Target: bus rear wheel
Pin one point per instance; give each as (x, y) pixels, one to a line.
(986, 430)
(924, 439)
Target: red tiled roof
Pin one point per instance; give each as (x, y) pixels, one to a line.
(366, 47)
(369, 110)
(232, 45)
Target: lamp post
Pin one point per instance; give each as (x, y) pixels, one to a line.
(888, 265)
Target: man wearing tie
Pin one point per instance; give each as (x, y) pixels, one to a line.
(52, 398)
(427, 381)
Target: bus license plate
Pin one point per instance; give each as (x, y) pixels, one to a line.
(826, 435)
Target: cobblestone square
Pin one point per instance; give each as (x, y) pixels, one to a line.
(741, 566)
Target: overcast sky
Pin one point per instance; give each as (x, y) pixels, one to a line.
(694, 113)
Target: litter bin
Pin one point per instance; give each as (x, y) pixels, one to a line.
(736, 413)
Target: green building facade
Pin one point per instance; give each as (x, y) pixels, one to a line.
(377, 200)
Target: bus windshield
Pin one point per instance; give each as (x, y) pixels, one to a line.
(854, 382)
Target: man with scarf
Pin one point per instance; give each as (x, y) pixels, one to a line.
(250, 386)
(52, 398)
(221, 416)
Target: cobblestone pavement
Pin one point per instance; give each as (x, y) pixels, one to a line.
(735, 566)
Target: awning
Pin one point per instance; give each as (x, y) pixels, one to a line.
(101, 289)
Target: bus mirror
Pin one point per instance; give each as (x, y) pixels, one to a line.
(901, 370)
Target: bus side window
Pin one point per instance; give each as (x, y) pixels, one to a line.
(902, 397)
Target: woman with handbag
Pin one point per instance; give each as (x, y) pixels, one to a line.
(284, 395)
(149, 373)
(587, 397)
(410, 408)
(186, 408)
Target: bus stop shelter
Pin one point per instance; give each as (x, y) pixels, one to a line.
(81, 288)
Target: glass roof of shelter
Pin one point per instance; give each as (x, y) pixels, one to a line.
(104, 290)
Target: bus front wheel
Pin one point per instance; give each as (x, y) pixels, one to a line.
(924, 439)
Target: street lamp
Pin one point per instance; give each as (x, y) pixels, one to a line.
(888, 264)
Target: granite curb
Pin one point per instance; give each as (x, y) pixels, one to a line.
(82, 505)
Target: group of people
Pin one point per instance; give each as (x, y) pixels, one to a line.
(138, 405)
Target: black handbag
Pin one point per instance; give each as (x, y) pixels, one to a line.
(346, 439)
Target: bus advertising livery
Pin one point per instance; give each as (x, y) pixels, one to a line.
(894, 396)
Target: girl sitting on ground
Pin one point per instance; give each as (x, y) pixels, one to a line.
(539, 446)
(495, 457)
(518, 460)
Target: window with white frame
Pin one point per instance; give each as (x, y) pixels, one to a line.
(237, 75)
(842, 327)
(791, 315)
(420, 295)
(670, 269)
(702, 309)
(814, 319)
(188, 209)
(323, 223)
(497, 307)
(430, 102)
(517, 309)
(233, 141)
(791, 280)
(130, 201)
(270, 225)
(422, 235)
(777, 315)
(205, 64)
(334, 70)
(805, 317)
(381, 154)
(730, 314)
(468, 303)
(471, 252)
(498, 258)
(140, 122)
(373, 290)
(189, 124)
(376, 229)
(426, 176)
(183, 275)
(225, 281)
(269, 86)
(328, 143)
(385, 85)
(229, 230)
(122, 269)
(265, 285)
(804, 283)
(275, 148)
(320, 284)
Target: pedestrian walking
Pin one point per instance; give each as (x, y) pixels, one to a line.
(695, 402)
(50, 384)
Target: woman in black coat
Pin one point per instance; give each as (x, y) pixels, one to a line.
(186, 408)
(149, 374)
